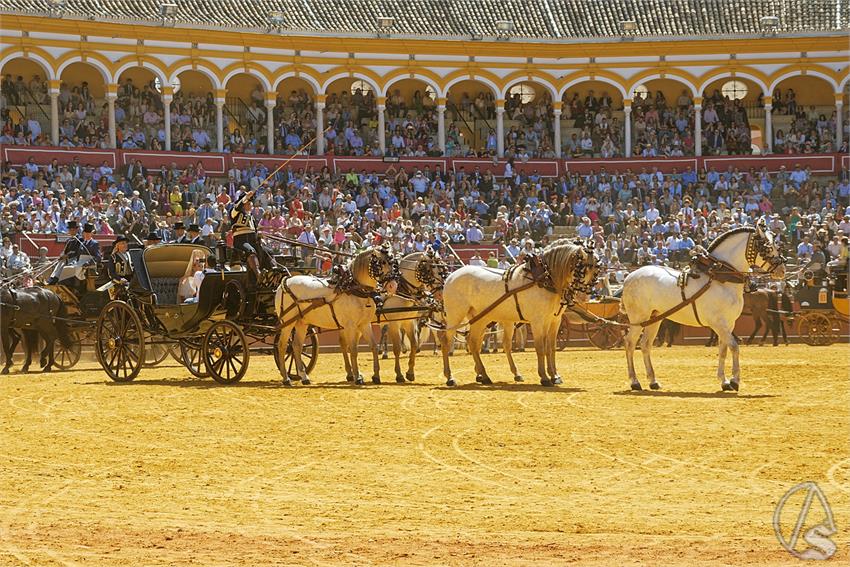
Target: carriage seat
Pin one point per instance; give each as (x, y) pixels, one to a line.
(166, 264)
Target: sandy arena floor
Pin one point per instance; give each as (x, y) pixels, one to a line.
(171, 470)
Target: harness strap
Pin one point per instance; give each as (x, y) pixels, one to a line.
(685, 302)
(492, 306)
(516, 301)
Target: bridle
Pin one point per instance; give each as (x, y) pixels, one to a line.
(758, 244)
(424, 271)
(380, 258)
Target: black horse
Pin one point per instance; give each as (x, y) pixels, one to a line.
(31, 311)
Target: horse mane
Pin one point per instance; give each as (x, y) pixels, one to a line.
(359, 268)
(716, 242)
(561, 258)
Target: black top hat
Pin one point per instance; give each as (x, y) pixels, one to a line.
(88, 227)
(72, 224)
(194, 228)
(178, 226)
(153, 236)
(121, 238)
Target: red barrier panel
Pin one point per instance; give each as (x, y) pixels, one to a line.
(664, 165)
(214, 164)
(824, 163)
(18, 155)
(546, 168)
(845, 162)
(273, 162)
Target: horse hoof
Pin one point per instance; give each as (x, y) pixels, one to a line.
(410, 377)
(519, 378)
(287, 382)
(5, 370)
(485, 380)
(726, 387)
(546, 382)
(376, 379)
(655, 386)
(451, 382)
(305, 381)
(636, 387)
(359, 381)
(25, 369)
(557, 380)
(349, 378)
(399, 378)
(735, 385)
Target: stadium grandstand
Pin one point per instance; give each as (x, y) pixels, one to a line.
(516, 114)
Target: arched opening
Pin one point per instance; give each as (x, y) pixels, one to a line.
(662, 119)
(26, 102)
(295, 116)
(245, 115)
(193, 112)
(83, 118)
(411, 127)
(735, 107)
(351, 112)
(528, 121)
(804, 116)
(592, 120)
(471, 118)
(139, 112)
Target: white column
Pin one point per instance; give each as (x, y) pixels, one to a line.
(320, 126)
(557, 133)
(219, 124)
(270, 104)
(382, 135)
(698, 128)
(110, 109)
(500, 128)
(54, 112)
(166, 116)
(627, 124)
(441, 128)
(839, 120)
(220, 98)
(768, 127)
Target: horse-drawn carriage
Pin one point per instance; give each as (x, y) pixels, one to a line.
(597, 320)
(824, 305)
(233, 314)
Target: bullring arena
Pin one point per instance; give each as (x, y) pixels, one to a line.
(193, 193)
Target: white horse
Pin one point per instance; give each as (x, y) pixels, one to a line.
(652, 291)
(422, 278)
(346, 303)
(530, 293)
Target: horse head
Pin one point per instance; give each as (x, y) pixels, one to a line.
(764, 253)
(429, 270)
(377, 267)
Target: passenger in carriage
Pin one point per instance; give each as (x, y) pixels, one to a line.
(194, 235)
(180, 234)
(190, 283)
(119, 266)
(152, 239)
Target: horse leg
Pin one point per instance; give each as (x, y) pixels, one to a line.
(552, 342)
(10, 340)
(29, 346)
(352, 340)
(646, 351)
(782, 328)
(630, 342)
(474, 341)
(346, 357)
(755, 330)
(373, 346)
(414, 350)
(446, 339)
(394, 337)
(508, 344)
(47, 354)
(539, 333)
(723, 340)
(768, 326)
(736, 363)
(299, 338)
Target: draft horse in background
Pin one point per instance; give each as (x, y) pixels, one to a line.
(32, 312)
(709, 294)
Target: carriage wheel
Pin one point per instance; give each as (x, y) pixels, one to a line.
(120, 341)
(563, 338)
(226, 352)
(309, 354)
(604, 336)
(191, 357)
(65, 358)
(156, 353)
(816, 329)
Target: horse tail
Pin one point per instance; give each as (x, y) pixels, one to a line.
(61, 324)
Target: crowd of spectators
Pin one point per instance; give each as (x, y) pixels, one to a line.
(634, 217)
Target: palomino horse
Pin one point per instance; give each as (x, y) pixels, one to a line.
(34, 311)
(346, 302)
(531, 292)
(422, 278)
(714, 299)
